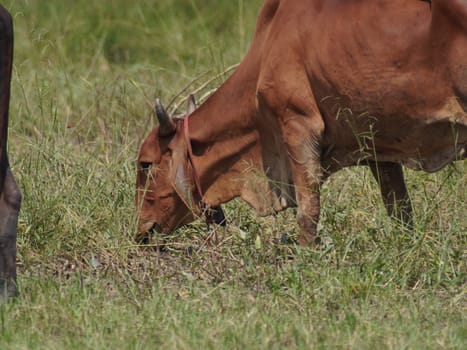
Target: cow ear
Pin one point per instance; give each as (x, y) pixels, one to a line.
(191, 104)
(181, 172)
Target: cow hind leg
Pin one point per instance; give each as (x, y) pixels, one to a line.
(390, 178)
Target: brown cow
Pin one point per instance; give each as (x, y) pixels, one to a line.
(326, 84)
(10, 196)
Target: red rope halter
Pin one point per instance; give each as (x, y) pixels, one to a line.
(186, 132)
(214, 214)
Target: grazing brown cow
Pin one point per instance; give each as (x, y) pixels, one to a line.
(326, 84)
(10, 196)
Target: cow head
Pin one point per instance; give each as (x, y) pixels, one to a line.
(164, 185)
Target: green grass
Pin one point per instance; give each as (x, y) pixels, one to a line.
(85, 77)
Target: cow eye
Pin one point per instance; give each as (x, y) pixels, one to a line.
(145, 166)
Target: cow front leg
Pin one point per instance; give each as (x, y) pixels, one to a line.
(308, 200)
(304, 154)
(291, 102)
(390, 178)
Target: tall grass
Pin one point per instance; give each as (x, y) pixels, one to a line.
(85, 77)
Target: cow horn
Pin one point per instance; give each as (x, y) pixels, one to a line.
(166, 125)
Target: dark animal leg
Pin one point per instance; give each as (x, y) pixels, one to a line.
(390, 178)
(10, 196)
(10, 203)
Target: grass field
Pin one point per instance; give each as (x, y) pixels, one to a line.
(85, 77)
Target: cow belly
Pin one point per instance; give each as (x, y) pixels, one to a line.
(438, 145)
(422, 147)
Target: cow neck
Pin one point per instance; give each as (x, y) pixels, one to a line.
(226, 116)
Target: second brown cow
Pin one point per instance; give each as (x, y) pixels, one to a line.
(325, 85)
